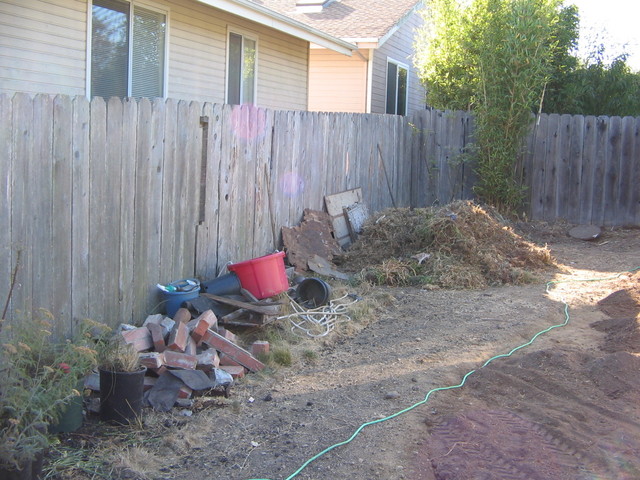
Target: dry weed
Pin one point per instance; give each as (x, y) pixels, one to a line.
(469, 246)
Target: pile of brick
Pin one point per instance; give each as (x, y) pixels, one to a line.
(184, 355)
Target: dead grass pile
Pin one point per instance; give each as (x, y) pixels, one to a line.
(460, 245)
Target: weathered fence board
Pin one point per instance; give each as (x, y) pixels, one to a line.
(584, 170)
(105, 199)
(6, 197)
(80, 281)
(128, 166)
(40, 192)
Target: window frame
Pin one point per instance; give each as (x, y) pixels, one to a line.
(245, 34)
(132, 5)
(398, 65)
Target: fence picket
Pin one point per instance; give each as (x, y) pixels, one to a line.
(6, 197)
(62, 221)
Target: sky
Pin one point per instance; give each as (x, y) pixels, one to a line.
(613, 23)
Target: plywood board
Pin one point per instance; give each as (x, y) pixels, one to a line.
(334, 205)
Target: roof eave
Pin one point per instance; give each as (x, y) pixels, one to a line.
(264, 16)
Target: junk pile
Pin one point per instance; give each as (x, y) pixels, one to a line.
(189, 350)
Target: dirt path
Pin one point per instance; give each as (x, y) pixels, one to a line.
(563, 408)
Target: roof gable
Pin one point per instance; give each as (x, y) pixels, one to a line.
(352, 20)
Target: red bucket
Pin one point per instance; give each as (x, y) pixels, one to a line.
(262, 276)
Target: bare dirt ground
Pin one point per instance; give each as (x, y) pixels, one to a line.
(564, 407)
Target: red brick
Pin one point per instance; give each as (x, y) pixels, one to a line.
(157, 335)
(228, 335)
(178, 337)
(208, 360)
(182, 316)
(151, 360)
(234, 371)
(259, 347)
(226, 360)
(139, 337)
(201, 324)
(236, 353)
(179, 360)
(184, 392)
(191, 347)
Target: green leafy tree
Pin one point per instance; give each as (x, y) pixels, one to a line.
(594, 87)
(495, 57)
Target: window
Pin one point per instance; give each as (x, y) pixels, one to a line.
(241, 70)
(127, 57)
(396, 88)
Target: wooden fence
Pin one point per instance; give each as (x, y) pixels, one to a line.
(585, 170)
(101, 201)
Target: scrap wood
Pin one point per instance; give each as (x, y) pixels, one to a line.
(335, 204)
(324, 267)
(314, 236)
(265, 309)
(356, 215)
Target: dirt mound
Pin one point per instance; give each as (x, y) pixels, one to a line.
(624, 302)
(461, 245)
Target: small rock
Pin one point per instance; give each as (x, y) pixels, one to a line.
(391, 395)
(268, 398)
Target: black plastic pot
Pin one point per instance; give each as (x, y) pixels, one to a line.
(228, 284)
(31, 470)
(121, 396)
(72, 417)
(313, 292)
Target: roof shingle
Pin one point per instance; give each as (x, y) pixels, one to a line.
(348, 19)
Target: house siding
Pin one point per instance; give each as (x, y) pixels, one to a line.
(398, 47)
(337, 83)
(43, 48)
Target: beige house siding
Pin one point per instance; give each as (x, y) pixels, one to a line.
(43, 48)
(337, 83)
(398, 47)
(282, 71)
